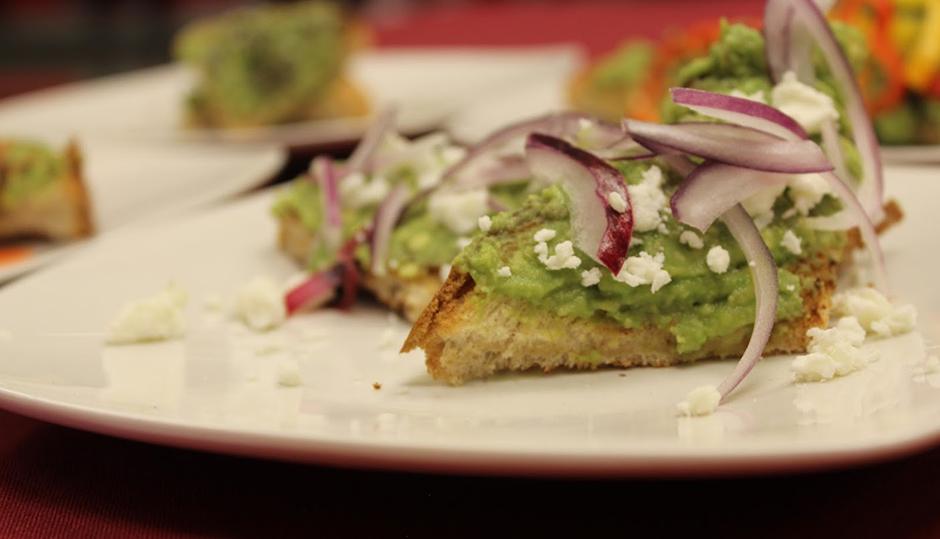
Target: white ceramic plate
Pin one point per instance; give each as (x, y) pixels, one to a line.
(924, 154)
(425, 84)
(129, 182)
(216, 390)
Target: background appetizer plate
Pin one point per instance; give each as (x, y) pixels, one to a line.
(426, 85)
(362, 404)
(128, 182)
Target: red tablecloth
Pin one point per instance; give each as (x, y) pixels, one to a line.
(57, 482)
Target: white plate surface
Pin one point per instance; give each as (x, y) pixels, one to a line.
(426, 85)
(216, 390)
(128, 181)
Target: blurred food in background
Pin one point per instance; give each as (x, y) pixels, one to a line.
(894, 46)
(42, 192)
(272, 64)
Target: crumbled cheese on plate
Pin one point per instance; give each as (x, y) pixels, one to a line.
(259, 304)
(158, 317)
(701, 401)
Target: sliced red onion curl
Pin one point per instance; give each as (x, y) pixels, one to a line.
(712, 189)
(784, 20)
(387, 214)
(598, 229)
(362, 158)
(833, 149)
(764, 274)
(733, 144)
(317, 290)
(560, 124)
(324, 172)
(739, 111)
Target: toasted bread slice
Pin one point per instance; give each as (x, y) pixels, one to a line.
(406, 296)
(58, 211)
(467, 334)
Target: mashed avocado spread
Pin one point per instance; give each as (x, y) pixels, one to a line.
(25, 168)
(696, 305)
(264, 65)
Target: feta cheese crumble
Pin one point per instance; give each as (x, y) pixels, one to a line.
(504, 272)
(590, 277)
(288, 373)
(484, 222)
(648, 200)
(616, 202)
(563, 258)
(791, 242)
(806, 191)
(805, 104)
(459, 211)
(701, 401)
(156, 318)
(832, 352)
(259, 304)
(644, 269)
(544, 234)
(693, 240)
(718, 259)
(874, 312)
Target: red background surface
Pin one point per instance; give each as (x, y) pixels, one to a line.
(58, 482)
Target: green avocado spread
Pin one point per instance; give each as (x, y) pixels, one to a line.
(265, 64)
(696, 305)
(25, 168)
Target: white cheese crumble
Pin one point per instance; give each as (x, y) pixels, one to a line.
(616, 202)
(693, 240)
(563, 258)
(648, 200)
(484, 222)
(504, 272)
(259, 304)
(874, 312)
(806, 191)
(444, 271)
(544, 234)
(760, 205)
(590, 277)
(832, 352)
(702, 400)
(155, 318)
(356, 191)
(458, 210)
(541, 249)
(718, 259)
(288, 373)
(791, 242)
(644, 269)
(463, 242)
(805, 104)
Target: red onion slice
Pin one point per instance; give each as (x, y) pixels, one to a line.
(349, 272)
(561, 124)
(314, 292)
(713, 189)
(383, 223)
(732, 144)
(783, 21)
(833, 148)
(362, 157)
(599, 229)
(739, 111)
(324, 172)
(764, 275)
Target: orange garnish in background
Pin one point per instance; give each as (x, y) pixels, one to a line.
(14, 253)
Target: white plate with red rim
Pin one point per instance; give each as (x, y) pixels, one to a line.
(130, 181)
(216, 389)
(426, 85)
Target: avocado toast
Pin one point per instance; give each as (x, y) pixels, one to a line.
(731, 234)
(42, 193)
